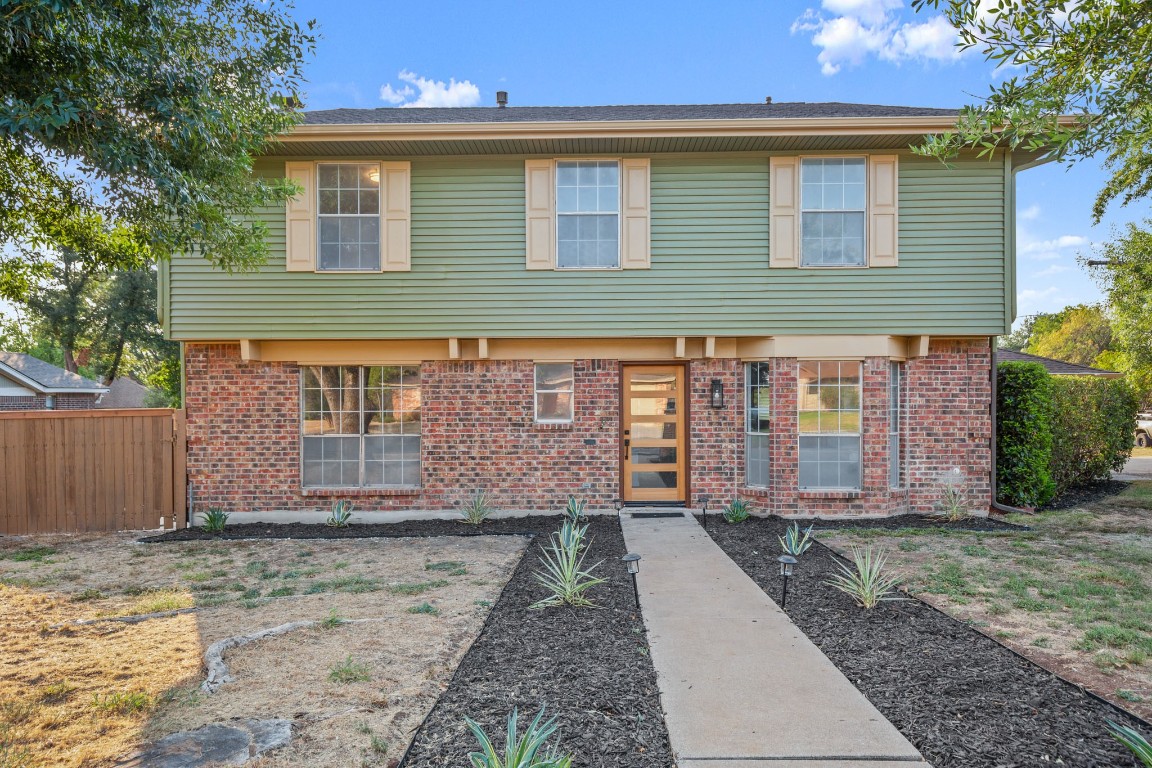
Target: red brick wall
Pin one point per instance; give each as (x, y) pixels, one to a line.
(29, 403)
(40, 403)
(478, 432)
(75, 402)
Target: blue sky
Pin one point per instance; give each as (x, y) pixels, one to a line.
(381, 53)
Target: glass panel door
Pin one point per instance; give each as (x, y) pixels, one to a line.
(652, 443)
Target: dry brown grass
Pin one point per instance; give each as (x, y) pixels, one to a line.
(85, 695)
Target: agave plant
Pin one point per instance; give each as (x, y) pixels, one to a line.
(736, 512)
(953, 506)
(525, 751)
(341, 514)
(564, 573)
(796, 542)
(214, 520)
(476, 508)
(1134, 740)
(575, 509)
(865, 581)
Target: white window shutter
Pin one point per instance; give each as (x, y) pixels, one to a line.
(540, 215)
(300, 225)
(883, 210)
(395, 216)
(635, 214)
(783, 212)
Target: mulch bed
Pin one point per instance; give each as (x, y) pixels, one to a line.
(1088, 494)
(990, 524)
(590, 666)
(962, 699)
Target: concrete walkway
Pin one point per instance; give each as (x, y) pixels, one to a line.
(740, 684)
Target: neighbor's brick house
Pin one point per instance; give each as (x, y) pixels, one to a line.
(30, 384)
(656, 305)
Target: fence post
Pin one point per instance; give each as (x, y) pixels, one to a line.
(179, 469)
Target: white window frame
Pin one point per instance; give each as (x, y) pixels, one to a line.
(858, 434)
(801, 210)
(619, 213)
(536, 392)
(749, 433)
(897, 417)
(379, 216)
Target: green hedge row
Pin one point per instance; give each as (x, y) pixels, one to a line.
(1057, 432)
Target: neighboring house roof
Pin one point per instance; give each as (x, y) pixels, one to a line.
(1055, 367)
(640, 112)
(123, 392)
(44, 377)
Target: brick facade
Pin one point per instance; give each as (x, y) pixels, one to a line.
(478, 432)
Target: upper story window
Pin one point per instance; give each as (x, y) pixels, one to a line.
(588, 214)
(832, 211)
(348, 215)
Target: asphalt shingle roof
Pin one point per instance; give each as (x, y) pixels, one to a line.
(795, 109)
(1054, 367)
(46, 374)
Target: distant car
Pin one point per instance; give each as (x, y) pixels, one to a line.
(1144, 430)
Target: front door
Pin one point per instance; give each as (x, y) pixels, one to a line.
(653, 441)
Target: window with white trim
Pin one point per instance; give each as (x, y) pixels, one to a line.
(832, 212)
(554, 393)
(829, 424)
(348, 216)
(588, 214)
(757, 424)
(360, 426)
(896, 406)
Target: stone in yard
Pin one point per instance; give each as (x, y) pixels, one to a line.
(215, 744)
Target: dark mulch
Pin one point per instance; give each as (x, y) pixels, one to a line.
(1088, 494)
(961, 698)
(898, 522)
(590, 667)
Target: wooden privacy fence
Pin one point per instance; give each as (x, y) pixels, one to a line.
(94, 470)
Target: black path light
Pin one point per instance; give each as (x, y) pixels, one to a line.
(786, 563)
(632, 560)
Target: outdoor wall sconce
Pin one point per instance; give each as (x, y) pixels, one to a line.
(717, 394)
(632, 560)
(786, 563)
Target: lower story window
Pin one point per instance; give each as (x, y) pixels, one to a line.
(360, 426)
(829, 415)
(758, 401)
(896, 425)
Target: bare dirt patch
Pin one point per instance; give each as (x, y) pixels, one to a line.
(85, 695)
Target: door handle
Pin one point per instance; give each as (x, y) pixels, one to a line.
(627, 443)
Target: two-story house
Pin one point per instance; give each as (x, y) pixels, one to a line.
(639, 304)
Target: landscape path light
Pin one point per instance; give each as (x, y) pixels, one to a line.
(632, 560)
(786, 563)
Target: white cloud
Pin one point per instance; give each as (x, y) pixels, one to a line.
(1031, 213)
(429, 92)
(1031, 301)
(849, 31)
(1048, 250)
(1054, 269)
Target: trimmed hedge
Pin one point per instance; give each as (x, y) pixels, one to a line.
(1092, 424)
(1058, 432)
(1023, 435)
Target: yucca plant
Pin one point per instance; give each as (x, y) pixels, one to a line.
(736, 512)
(564, 573)
(476, 508)
(1134, 740)
(575, 509)
(796, 542)
(953, 505)
(865, 581)
(525, 751)
(214, 520)
(341, 514)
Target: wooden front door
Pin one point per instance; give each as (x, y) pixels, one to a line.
(653, 441)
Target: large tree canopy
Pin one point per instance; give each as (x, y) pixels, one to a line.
(140, 117)
(1089, 59)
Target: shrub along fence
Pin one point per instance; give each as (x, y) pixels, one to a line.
(94, 470)
(1054, 433)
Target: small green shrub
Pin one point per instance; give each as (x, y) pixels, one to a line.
(1134, 740)
(334, 620)
(341, 514)
(796, 542)
(214, 520)
(123, 702)
(350, 671)
(574, 511)
(527, 750)
(865, 581)
(736, 512)
(426, 608)
(1023, 435)
(476, 508)
(953, 504)
(564, 573)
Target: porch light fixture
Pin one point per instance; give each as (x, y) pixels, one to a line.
(632, 561)
(717, 394)
(786, 563)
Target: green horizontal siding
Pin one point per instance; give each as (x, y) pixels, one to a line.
(709, 272)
